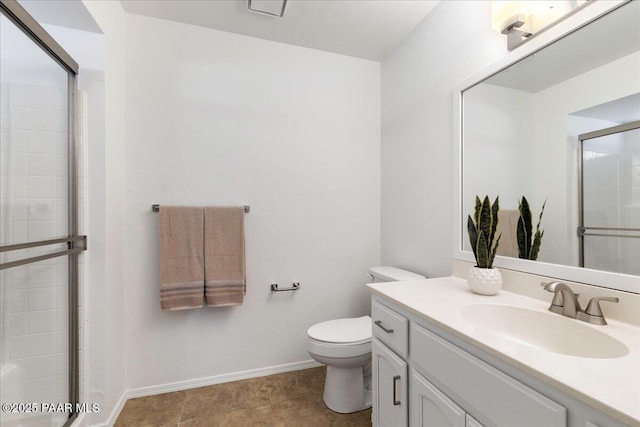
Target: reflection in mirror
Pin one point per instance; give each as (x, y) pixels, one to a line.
(610, 199)
(520, 137)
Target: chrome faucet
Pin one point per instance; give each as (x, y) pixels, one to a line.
(566, 302)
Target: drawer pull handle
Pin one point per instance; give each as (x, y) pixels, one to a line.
(379, 323)
(396, 402)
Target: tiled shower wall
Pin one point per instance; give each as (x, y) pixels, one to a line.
(33, 206)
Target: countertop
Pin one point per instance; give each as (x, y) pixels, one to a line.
(609, 385)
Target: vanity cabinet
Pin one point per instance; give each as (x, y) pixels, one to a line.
(390, 347)
(496, 396)
(430, 407)
(389, 377)
(446, 386)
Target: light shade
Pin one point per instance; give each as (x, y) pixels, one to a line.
(537, 14)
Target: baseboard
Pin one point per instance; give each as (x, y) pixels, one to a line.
(219, 379)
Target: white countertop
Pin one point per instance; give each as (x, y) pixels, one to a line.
(609, 385)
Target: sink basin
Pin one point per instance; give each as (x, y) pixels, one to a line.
(546, 331)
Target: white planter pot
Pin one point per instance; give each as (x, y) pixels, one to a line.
(484, 281)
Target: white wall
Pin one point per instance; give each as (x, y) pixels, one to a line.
(105, 226)
(216, 118)
(498, 143)
(418, 77)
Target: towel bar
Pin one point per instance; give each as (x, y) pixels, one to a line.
(156, 208)
(295, 287)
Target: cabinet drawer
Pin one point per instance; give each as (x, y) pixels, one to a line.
(390, 327)
(503, 400)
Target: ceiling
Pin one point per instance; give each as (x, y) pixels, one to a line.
(366, 29)
(63, 13)
(623, 110)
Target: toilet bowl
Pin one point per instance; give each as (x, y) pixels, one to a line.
(344, 345)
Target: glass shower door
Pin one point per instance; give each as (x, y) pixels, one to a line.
(610, 214)
(38, 226)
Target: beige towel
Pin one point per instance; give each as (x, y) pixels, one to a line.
(224, 256)
(508, 226)
(181, 257)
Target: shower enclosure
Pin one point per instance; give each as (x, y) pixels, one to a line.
(39, 240)
(609, 230)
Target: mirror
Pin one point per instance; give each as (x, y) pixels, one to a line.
(560, 127)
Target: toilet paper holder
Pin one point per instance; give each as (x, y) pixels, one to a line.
(294, 287)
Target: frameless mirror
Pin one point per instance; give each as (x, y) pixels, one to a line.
(558, 127)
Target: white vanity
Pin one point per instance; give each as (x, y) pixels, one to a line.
(434, 365)
(443, 356)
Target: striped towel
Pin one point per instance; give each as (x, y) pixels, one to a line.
(225, 282)
(181, 257)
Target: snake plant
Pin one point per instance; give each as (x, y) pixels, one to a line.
(482, 231)
(528, 248)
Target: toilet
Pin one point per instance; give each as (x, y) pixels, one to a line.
(344, 345)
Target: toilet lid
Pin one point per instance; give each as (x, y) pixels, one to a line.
(342, 331)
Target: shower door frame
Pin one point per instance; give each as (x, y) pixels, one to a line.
(75, 243)
(603, 231)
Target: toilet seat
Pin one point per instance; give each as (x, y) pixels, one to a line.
(340, 338)
(351, 331)
(338, 351)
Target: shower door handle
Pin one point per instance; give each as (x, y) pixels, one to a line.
(396, 402)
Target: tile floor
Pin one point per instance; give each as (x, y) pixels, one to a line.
(289, 399)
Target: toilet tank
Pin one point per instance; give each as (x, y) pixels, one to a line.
(392, 274)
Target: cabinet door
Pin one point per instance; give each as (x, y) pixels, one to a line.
(429, 407)
(389, 387)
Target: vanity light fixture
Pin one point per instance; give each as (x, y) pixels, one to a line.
(519, 20)
(515, 36)
(268, 7)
